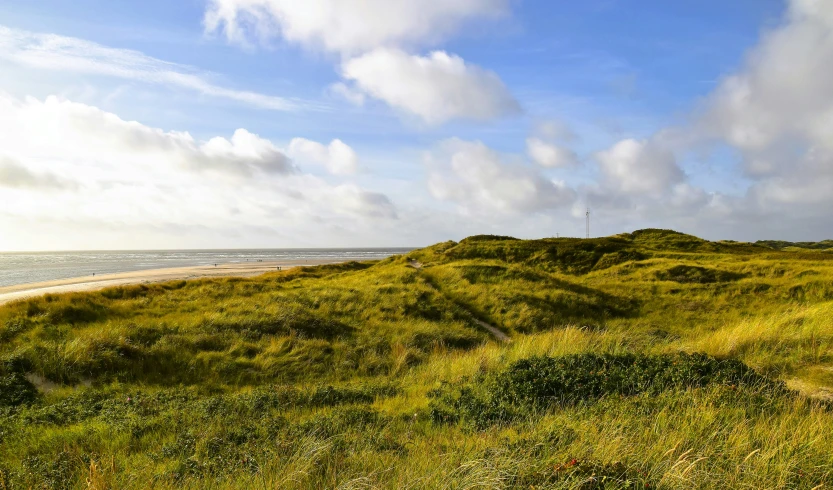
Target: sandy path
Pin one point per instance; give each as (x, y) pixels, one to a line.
(100, 281)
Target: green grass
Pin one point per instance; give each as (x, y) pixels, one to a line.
(645, 360)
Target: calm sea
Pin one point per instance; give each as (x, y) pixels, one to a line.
(26, 267)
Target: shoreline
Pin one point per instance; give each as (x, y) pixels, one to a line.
(148, 276)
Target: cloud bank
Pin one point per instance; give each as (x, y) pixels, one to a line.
(105, 172)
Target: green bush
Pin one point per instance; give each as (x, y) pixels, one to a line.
(16, 390)
(544, 381)
(540, 383)
(686, 274)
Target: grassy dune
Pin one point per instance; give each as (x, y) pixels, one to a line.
(644, 360)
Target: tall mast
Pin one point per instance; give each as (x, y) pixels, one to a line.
(588, 222)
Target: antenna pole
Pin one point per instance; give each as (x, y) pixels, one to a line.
(588, 222)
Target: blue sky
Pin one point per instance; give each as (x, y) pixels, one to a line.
(640, 109)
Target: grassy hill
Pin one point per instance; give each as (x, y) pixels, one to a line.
(645, 360)
(826, 245)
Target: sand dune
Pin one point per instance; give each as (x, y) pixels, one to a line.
(100, 281)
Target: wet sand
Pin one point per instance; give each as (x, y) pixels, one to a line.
(92, 283)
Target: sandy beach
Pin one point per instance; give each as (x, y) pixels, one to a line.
(91, 283)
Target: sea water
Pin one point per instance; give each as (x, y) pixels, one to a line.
(28, 267)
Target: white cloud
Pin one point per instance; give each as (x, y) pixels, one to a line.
(55, 127)
(126, 175)
(337, 157)
(371, 35)
(344, 26)
(243, 150)
(778, 110)
(550, 155)
(437, 87)
(481, 181)
(68, 54)
(639, 168)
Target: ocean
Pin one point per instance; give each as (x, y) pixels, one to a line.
(27, 267)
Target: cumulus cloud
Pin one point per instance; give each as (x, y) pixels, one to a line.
(69, 54)
(437, 87)
(131, 176)
(337, 157)
(775, 112)
(343, 26)
(48, 128)
(639, 167)
(550, 155)
(244, 152)
(778, 109)
(480, 180)
(372, 37)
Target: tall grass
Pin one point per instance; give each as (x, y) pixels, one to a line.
(329, 377)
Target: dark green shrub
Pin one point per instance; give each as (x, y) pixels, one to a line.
(77, 313)
(16, 390)
(545, 381)
(686, 274)
(16, 363)
(15, 326)
(540, 383)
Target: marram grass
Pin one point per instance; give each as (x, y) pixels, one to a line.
(645, 360)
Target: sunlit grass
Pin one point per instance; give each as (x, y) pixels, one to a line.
(323, 377)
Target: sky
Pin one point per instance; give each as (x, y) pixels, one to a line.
(348, 123)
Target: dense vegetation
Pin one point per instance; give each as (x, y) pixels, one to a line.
(645, 360)
(783, 245)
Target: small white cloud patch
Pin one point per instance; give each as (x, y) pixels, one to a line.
(337, 157)
(550, 155)
(437, 88)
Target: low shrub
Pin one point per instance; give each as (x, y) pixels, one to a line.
(540, 383)
(687, 274)
(16, 390)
